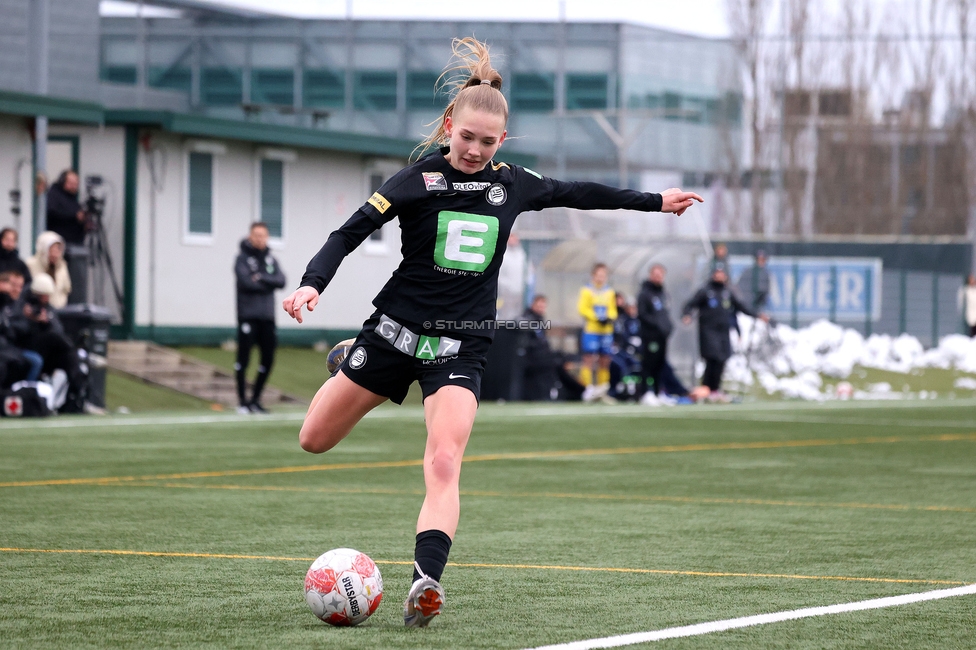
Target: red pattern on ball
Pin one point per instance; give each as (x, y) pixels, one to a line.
(363, 565)
(322, 580)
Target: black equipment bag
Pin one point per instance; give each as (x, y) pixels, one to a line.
(23, 402)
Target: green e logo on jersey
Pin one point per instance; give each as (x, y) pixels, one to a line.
(465, 241)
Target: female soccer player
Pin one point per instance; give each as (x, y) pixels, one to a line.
(597, 305)
(456, 208)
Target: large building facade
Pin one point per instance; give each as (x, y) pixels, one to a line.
(192, 118)
(598, 101)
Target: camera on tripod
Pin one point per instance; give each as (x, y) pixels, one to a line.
(94, 205)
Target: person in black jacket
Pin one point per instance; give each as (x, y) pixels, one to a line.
(653, 309)
(717, 305)
(35, 326)
(538, 360)
(65, 215)
(258, 275)
(10, 256)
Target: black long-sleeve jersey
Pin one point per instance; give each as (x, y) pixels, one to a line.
(454, 230)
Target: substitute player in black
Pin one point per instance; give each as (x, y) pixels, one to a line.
(456, 208)
(717, 306)
(653, 309)
(258, 275)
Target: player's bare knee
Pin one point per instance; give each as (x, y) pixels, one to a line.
(315, 440)
(443, 466)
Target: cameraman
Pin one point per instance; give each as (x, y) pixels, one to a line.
(64, 213)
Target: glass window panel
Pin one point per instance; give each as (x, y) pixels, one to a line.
(201, 193)
(324, 88)
(421, 93)
(273, 86)
(672, 106)
(165, 52)
(272, 195)
(117, 51)
(733, 108)
(534, 92)
(586, 91)
(173, 78)
(274, 54)
(376, 57)
(376, 91)
(120, 74)
(220, 87)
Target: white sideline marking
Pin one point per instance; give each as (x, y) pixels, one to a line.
(93, 422)
(761, 619)
(758, 412)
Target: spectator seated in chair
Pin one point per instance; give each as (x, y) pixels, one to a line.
(15, 364)
(49, 260)
(37, 328)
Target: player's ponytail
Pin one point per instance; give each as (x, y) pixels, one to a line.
(473, 84)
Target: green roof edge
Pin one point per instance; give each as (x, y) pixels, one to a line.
(70, 110)
(55, 108)
(276, 134)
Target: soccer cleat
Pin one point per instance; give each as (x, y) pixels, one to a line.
(255, 407)
(243, 410)
(337, 355)
(650, 399)
(424, 601)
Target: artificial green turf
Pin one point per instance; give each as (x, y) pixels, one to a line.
(133, 395)
(881, 491)
(299, 371)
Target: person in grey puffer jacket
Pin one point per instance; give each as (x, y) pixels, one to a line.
(258, 275)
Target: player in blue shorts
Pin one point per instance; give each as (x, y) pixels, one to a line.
(456, 208)
(598, 306)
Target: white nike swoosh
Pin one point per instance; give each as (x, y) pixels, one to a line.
(453, 376)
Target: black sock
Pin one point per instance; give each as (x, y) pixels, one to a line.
(259, 385)
(431, 553)
(241, 383)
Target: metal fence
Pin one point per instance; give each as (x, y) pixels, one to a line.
(875, 287)
(905, 286)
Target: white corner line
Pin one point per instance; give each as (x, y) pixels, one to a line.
(761, 619)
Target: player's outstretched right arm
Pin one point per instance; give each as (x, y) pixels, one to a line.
(675, 201)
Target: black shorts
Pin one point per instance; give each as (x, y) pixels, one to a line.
(390, 354)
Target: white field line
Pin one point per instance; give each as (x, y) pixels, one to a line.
(95, 422)
(761, 619)
(760, 412)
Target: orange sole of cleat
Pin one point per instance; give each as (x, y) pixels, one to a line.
(429, 603)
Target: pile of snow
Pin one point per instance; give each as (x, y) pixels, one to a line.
(792, 362)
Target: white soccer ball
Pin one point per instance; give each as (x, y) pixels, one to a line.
(844, 390)
(343, 587)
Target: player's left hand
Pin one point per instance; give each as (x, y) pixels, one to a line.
(676, 201)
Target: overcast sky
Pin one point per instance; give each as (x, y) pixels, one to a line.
(702, 17)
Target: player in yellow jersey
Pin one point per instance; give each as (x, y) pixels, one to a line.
(598, 307)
